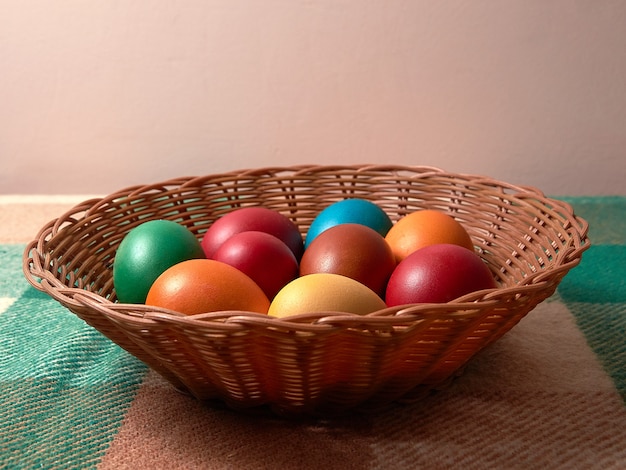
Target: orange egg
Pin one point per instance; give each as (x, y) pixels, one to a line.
(204, 285)
(425, 227)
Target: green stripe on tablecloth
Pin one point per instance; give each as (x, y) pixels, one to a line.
(64, 387)
(599, 278)
(595, 291)
(12, 281)
(606, 217)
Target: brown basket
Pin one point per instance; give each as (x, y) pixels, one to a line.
(314, 363)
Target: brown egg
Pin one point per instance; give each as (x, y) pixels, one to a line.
(352, 250)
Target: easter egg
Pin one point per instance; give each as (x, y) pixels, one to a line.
(354, 211)
(425, 227)
(324, 292)
(246, 219)
(205, 285)
(266, 259)
(437, 274)
(353, 250)
(145, 252)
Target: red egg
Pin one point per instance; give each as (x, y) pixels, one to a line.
(249, 219)
(352, 250)
(263, 257)
(437, 274)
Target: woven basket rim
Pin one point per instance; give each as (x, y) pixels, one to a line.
(45, 281)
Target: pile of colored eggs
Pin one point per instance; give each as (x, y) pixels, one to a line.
(353, 259)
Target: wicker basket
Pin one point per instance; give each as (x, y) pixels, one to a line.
(314, 363)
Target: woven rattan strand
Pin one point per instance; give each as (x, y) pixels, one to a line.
(321, 363)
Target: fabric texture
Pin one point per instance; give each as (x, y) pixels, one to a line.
(550, 394)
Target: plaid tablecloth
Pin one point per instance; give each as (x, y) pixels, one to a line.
(550, 394)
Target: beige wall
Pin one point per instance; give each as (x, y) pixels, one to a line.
(98, 95)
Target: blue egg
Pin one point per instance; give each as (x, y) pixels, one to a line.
(349, 211)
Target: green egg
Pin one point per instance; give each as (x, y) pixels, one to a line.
(148, 250)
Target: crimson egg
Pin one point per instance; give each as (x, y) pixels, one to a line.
(437, 274)
(263, 257)
(254, 218)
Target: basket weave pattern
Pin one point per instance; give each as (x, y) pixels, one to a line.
(323, 362)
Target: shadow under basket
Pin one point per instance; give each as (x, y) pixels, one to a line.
(321, 363)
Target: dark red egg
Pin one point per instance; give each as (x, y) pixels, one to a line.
(248, 219)
(437, 274)
(263, 257)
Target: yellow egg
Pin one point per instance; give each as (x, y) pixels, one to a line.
(324, 292)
